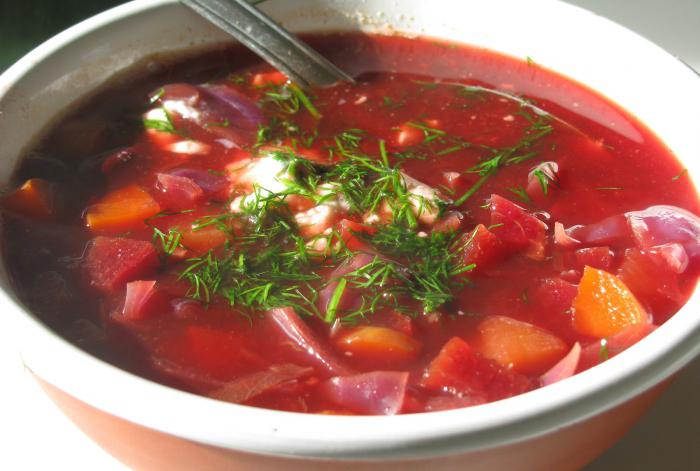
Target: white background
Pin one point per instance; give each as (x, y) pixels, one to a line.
(34, 435)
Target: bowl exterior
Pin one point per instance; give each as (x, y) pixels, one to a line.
(142, 448)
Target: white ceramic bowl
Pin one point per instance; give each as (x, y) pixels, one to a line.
(560, 426)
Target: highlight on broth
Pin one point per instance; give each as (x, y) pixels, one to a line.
(445, 233)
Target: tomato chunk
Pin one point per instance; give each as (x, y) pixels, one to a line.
(452, 369)
(110, 262)
(524, 347)
(604, 305)
(379, 344)
(34, 199)
(518, 229)
(123, 209)
(483, 249)
(651, 280)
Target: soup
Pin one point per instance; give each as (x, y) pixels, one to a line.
(455, 228)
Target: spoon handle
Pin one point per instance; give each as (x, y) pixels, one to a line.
(277, 46)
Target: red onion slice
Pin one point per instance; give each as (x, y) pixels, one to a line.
(378, 392)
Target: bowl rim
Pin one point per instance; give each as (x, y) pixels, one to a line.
(209, 421)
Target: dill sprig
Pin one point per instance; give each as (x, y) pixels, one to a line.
(538, 128)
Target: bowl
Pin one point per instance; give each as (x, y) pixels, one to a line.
(562, 426)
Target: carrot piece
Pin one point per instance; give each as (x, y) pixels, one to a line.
(34, 198)
(604, 305)
(524, 347)
(122, 209)
(203, 240)
(379, 344)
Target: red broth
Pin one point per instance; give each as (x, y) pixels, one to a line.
(456, 228)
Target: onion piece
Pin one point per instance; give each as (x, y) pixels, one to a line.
(565, 368)
(254, 384)
(138, 294)
(377, 392)
(304, 342)
(562, 239)
(658, 225)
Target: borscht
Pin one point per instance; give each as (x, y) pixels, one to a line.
(455, 228)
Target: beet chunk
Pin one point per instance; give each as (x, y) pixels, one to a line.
(110, 262)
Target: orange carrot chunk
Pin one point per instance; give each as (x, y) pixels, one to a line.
(379, 344)
(604, 305)
(525, 348)
(34, 199)
(125, 208)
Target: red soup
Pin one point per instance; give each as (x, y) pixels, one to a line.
(455, 228)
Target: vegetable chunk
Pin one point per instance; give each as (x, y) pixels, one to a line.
(604, 305)
(524, 347)
(34, 199)
(123, 209)
(110, 262)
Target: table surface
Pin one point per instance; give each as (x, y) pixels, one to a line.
(35, 435)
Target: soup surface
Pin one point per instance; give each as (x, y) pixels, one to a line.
(455, 228)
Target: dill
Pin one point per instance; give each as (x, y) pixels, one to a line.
(223, 124)
(609, 188)
(683, 172)
(538, 128)
(544, 178)
(429, 134)
(521, 194)
(290, 99)
(164, 125)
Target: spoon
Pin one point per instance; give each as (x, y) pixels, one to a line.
(276, 45)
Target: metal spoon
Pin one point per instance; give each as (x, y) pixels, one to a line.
(277, 46)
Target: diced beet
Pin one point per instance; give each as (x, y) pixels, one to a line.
(377, 392)
(553, 297)
(110, 262)
(516, 228)
(216, 187)
(601, 350)
(177, 193)
(483, 249)
(252, 385)
(303, 342)
(612, 231)
(565, 368)
(650, 278)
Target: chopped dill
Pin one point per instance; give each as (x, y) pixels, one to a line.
(683, 172)
(164, 125)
